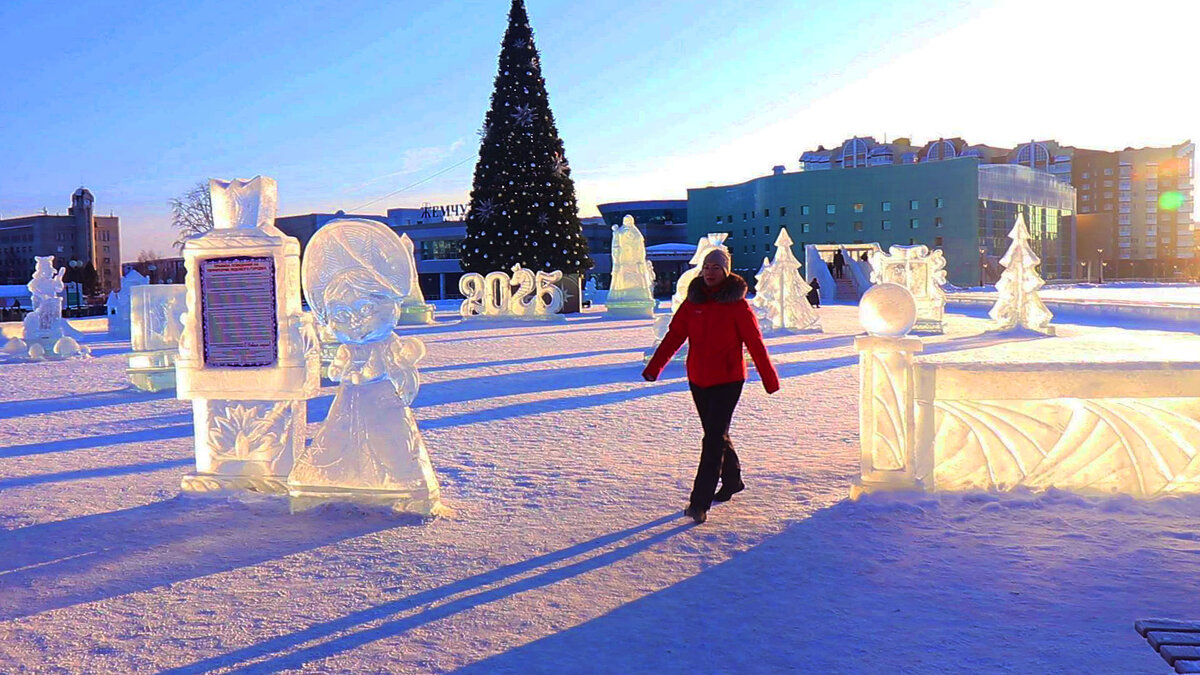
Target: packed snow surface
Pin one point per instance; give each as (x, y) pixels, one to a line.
(567, 551)
(1119, 291)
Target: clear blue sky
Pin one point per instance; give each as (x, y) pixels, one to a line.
(344, 102)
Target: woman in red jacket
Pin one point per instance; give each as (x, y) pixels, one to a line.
(716, 321)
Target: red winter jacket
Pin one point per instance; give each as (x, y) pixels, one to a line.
(716, 324)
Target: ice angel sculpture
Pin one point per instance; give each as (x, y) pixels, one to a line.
(369, 449)
(632, 289)
(1018, 304)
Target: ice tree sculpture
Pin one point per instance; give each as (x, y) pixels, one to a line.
(369, 449)
(632, 290)
(922, 273)
(414, 309)
(1019, 305)
(762, 288)
(785, 303)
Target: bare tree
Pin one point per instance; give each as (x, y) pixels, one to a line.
(192, 213)
(146, 255)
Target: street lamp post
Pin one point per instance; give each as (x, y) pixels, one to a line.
(982, 265)
(1099, 266)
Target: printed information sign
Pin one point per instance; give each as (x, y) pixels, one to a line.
(238, 318)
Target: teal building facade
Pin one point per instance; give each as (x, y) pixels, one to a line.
(956, 205)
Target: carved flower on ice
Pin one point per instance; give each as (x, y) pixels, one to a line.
(243, 433)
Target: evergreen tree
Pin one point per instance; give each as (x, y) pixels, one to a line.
(523, 206)
(1018, 303)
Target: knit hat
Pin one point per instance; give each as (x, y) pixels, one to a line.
(720, 257)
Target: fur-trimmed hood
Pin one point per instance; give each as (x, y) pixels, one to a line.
(731, 290)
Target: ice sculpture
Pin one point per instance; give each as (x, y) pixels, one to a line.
(1018, 304)
(414, 309)
(922, 273)
(631, 293)
(156, 323)
(784, 292)
(249, 358)
(887, 310)
(369, 449)
(46, 333)
(713, 240)
(494, 296)
(120, 311)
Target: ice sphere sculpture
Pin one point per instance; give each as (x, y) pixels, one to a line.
(923, 273)
(414, 309)
(249, 357)
(784, 291)
(369, 449)
(44, 325)
(887, 310)
(120, 312)
(631, 293)
(156, 324)
(1018, 304)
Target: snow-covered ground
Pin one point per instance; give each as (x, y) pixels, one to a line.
(568, 551)
(1120, 291)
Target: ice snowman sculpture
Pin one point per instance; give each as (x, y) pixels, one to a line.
(369, 449)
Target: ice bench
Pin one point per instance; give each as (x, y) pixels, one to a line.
(1105, 412)
(1178, 642)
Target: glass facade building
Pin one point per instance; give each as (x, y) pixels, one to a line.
(957, 205)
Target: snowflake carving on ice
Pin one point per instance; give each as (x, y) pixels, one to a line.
(559, 165)
(543, 219)
(486, 209)
(523, 115)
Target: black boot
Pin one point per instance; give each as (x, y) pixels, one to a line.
(728, 491)
(696, 514)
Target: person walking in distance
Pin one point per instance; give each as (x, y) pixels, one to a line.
(839, 262)
(716, 321)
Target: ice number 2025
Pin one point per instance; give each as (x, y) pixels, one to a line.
(525, 293)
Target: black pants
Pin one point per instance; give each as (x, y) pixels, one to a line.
(717, 458)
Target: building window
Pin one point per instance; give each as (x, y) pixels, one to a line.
(1108, 172)
(718, 220)
(937, 241)
(1086, 175)
(729, 219)
(744, 218)
(885, 206)
(767, 229)
(805, 227)
(858, 208)
(937, 222)
(914, 204)
(858, 226)
(885, 224)
(830, 208)
(440, 249)
(829, 227)
(911, 241)
(804, 210)
(766, 213)
(913, 223)
(939, 202)
(782, 211)
(752, 232)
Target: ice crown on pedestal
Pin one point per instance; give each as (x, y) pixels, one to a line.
(243, 204)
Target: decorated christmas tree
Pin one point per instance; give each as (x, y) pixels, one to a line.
(523, 208)
(1018, 304)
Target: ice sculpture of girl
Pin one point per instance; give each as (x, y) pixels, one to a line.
(368, 449)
